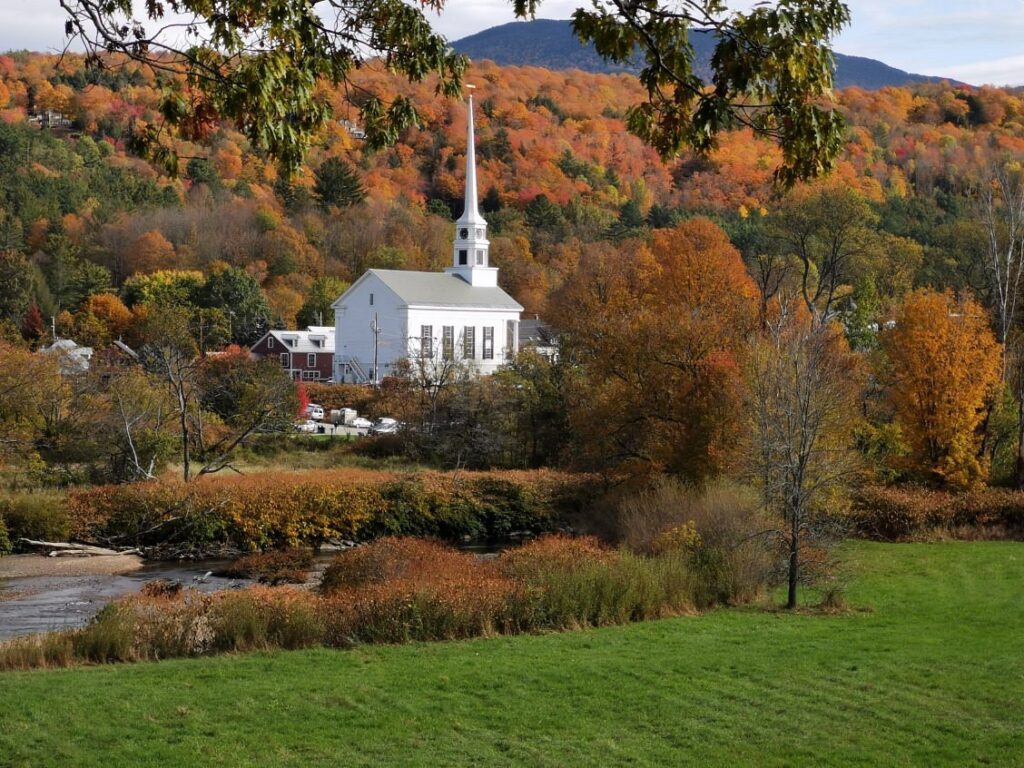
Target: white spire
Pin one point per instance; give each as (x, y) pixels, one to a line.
(470, 259)
(471, 211)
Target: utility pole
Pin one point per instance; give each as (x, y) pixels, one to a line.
(376, 345)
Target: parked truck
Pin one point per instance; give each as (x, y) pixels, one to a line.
(343, 416)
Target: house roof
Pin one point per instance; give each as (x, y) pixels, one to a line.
(441, 289)
(305, 341)
(73, 358)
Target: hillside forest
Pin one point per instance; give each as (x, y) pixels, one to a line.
(911, 249)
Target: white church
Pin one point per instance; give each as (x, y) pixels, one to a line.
(459, 315)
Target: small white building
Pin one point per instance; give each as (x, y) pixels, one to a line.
(72, 357)
(459, 315)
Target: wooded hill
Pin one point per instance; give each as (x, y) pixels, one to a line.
(558, 173)
(550, 43)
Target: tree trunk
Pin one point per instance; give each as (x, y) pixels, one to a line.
(183, 420)
(794, 558)
(1020, 443)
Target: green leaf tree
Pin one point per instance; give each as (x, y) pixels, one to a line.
(317, 308)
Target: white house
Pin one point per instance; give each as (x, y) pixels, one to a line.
(72, 357)
(461, 314)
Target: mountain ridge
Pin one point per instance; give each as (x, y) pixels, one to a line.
(550, 43)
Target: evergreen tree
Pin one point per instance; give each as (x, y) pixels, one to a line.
(337, 184)
(16, 279)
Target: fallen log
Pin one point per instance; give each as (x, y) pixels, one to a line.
(66, 548)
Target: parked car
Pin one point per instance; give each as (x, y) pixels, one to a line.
(315, 412)
(306, 426)
(386, 426)
(360, 423)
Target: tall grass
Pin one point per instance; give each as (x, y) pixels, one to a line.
(718, 530)
(393, 590)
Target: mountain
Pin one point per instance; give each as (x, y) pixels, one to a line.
(551, 44)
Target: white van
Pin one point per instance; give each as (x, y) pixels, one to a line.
(315, 412)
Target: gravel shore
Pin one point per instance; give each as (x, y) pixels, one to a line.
(20, 566)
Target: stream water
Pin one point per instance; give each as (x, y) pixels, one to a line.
(41, 603)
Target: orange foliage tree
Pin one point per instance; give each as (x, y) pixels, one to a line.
(151, 251)
(657, 333)
(944, 366)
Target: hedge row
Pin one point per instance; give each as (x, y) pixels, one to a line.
(891, 513)
(294, 509)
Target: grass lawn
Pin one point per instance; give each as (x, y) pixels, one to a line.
(930, 672)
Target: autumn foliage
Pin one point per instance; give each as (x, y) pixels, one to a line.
(292, 509)
(943, 368)
(658, 332)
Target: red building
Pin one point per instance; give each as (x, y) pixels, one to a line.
(307, 355)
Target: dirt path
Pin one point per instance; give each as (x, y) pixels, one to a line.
(20, 566)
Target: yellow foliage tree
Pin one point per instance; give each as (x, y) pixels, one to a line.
(944, 366)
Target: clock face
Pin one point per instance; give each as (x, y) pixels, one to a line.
(463, 233)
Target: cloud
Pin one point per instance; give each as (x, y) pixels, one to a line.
(1008, 70)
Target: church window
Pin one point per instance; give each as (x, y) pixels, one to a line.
(371, 299)
(469, 342)
(479, 257)
(463, 256)
(488, 343)
(284, 359)
(448, 342)
(426, 341)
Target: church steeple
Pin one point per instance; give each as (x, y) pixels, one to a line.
(470, 211)
(470, 258)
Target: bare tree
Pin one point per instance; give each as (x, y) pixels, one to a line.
(1000, 207)
(804, 386)
(172, 357)
(1001, 210)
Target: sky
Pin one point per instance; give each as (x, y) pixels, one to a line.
(975, 41)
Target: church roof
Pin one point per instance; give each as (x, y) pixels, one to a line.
(441, 289)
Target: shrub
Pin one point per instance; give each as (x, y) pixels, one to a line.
(262, 617)
(718, 529)
(110, 636)
(895, 513)
(52, 649)
(391, 559)
(280, 509)
(390, 591)
(5, 541)
(288, 566)
(39, 516)
(405, 611)
(579, 582)
(161, 588)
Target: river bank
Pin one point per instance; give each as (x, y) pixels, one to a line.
(24, 566)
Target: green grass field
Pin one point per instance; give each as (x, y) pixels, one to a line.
(928, 670)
